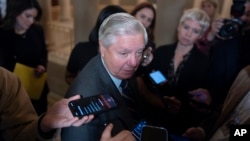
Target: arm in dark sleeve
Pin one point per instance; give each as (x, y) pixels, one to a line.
(42, 44)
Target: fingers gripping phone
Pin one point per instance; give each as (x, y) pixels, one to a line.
(153, 133)
(137, 131)
(157, 77)
(92, 105)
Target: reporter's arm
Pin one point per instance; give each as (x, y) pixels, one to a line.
(18, 117)
(216, 26)
(124, 135)
(195, 134)
(168, 104)
(60, 116)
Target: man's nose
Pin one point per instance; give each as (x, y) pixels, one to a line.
(133, 61)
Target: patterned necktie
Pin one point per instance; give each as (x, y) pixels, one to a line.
(128, 98)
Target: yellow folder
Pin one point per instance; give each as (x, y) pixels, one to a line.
(33, 85)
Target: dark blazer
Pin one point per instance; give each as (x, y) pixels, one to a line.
(93, 80)
(28, 49)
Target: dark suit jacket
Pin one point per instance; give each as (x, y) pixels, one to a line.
(93, 80)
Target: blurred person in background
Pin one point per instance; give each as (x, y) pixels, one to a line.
(230, 49)
(145, 12)
(23, 41)
(211, 8)
(184, 83)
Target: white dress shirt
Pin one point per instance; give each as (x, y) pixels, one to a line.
(3, 6)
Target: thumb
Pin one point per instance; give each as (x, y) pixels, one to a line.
(74, 97)
(107, 131)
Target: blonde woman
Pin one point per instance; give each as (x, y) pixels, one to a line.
(185, 68)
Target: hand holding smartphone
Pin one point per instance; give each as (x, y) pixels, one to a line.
(172, 104)
(137, 131)
(92, 105)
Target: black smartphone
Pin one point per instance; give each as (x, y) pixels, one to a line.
(157, 77)
(153, 133)
(92, 105)
(137, 131)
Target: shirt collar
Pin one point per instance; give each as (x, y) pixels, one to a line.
(116, 81)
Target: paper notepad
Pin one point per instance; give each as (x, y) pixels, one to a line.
(33, 85)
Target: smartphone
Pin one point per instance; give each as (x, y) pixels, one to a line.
(92, 105)
(157, 77)
(137, 131)
(153, 133)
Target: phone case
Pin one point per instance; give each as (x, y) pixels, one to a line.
(152, 133)
(92, 105)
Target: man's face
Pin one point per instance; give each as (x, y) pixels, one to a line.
(124, 56)
(246, 16)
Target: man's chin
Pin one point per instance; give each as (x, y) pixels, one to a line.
(128, 75)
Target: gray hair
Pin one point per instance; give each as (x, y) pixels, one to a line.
(198, 15)
(119, 24)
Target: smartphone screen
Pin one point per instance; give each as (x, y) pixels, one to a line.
(137, 131)
(152, 133)
(92, 105)
(157, 77)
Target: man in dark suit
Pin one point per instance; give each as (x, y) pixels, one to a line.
(122, 40)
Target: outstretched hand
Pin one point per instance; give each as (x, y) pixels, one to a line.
(201, 95)
(59, 116)
(201, 100)
(124, 135)
(216, 27)
(173, 105)
(195, 134)
(39, 71)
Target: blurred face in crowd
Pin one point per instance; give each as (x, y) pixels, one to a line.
(145, 16)
(124, 56)
(246, 16)
(208, 7)
(26, 19)
(189, 32)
